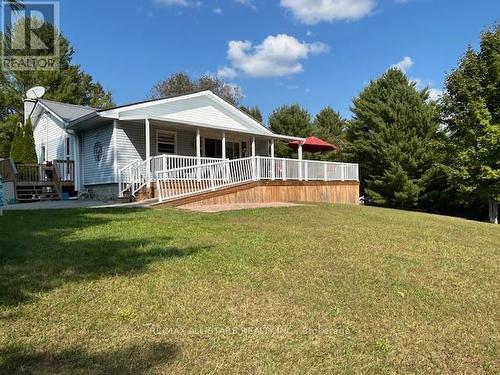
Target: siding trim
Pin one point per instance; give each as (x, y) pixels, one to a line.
(115, 151)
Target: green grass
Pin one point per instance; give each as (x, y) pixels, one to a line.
(318, 289)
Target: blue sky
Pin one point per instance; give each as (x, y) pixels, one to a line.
(277, 51)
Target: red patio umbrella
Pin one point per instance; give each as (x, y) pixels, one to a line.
(312, 144)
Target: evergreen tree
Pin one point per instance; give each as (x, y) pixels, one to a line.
(68, 84)
(23, 145)
(29, 143)
(330, 126)
(16, 151)
(253, 112)
(393, 136)
(290, 120)
(471, 112)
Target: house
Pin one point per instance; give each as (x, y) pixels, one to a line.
(169, 148)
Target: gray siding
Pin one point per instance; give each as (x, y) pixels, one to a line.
(130, 142)
(49, 132)
(98, 172)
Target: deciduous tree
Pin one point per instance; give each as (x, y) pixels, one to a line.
(181, 83)
(68, 84)
(471, 112)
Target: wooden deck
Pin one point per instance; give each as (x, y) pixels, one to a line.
(345, 192)
(43, 181)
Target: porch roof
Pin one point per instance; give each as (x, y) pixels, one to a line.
(266, 134)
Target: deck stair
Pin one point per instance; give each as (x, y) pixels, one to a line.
(32, 193)
(38, 182)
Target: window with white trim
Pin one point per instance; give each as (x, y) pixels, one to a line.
(166, 142)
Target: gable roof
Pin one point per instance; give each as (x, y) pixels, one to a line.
(200, 109)
(67, 112)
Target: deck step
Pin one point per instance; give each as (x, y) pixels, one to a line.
(36, 193)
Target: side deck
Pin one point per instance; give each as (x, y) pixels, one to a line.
(35, 182)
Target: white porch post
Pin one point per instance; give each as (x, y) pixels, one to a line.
(115, 160)
(198, 153)
(224, 156)
(76, 158)
(254, 170)
(148, 154)
(300, 161)
(273, 162)
(223, 145)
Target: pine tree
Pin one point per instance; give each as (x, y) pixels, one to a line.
(393, 137)
(253, 112)
(330, 126)
(290, 120)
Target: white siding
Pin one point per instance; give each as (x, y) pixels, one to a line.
(50, 132)
(201, 109)
(98, 172)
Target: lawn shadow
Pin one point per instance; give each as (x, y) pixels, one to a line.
(133, 359)
(44, 254)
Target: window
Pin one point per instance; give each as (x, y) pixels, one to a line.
(166, 142)
(213, 148)
(42, 154)
(67, 150)
(232, 150)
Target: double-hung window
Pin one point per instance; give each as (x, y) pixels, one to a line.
(166, 142)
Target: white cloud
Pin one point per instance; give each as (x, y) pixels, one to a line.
(218, 10)
(315, 11)
(276, 56)
(226, 72)
(435, 94)
(404, 64)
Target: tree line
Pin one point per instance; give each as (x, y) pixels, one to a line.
(414, 153)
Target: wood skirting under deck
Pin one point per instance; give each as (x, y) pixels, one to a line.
(346, 192)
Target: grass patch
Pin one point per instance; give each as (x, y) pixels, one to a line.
(292, 290)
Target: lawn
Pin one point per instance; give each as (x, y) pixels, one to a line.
(320, 289)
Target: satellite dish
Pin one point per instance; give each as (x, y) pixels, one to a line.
(35, 92)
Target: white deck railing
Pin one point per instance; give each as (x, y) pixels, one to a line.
(134, 176)
(186, 181)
